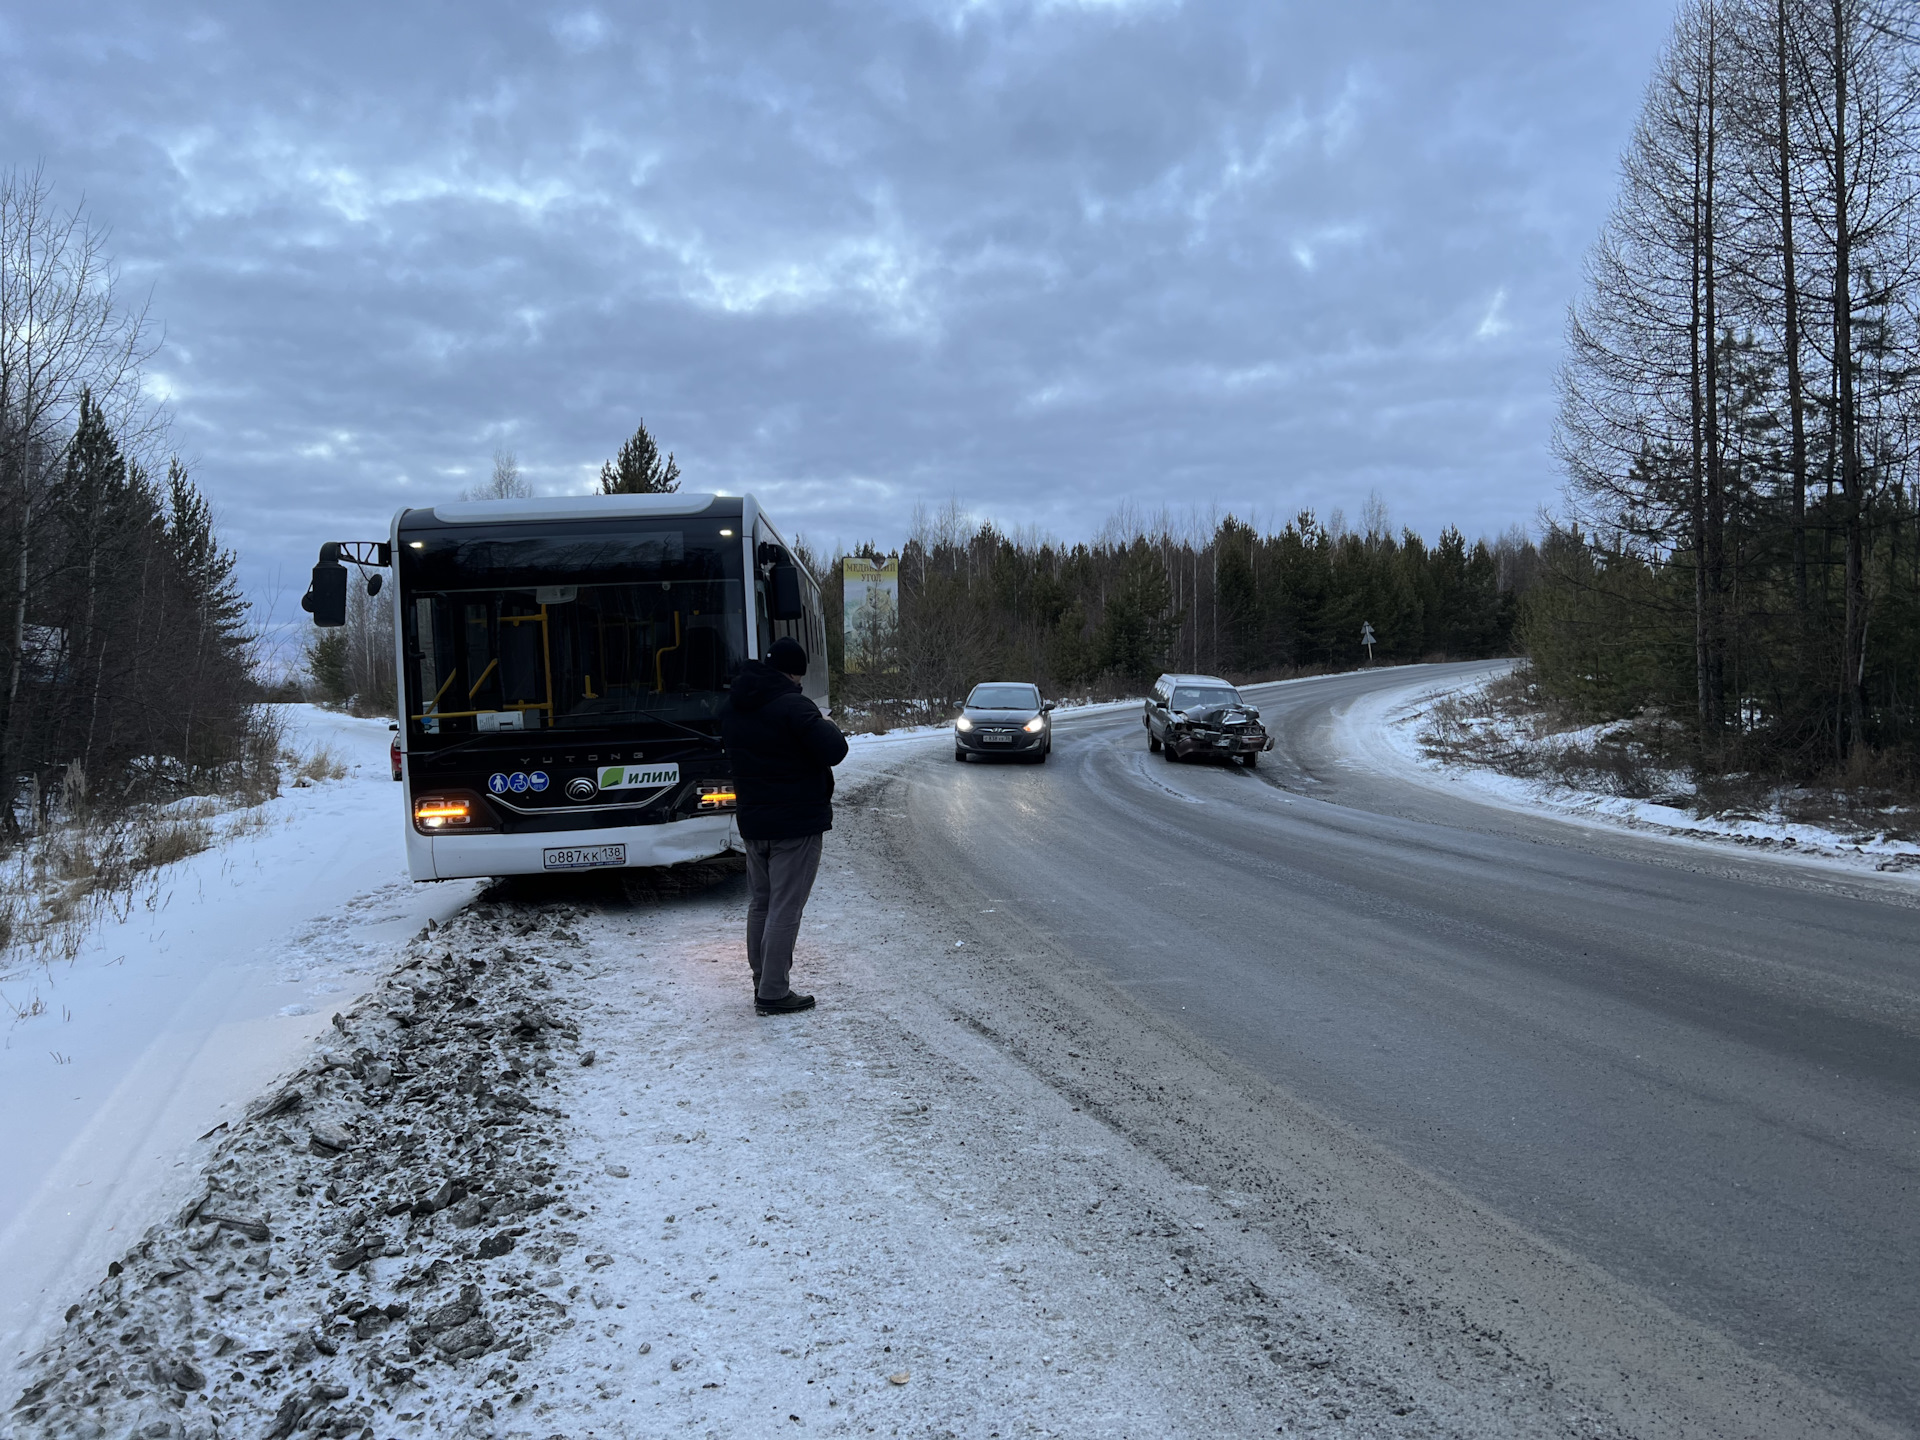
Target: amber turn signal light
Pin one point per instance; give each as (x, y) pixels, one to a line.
(717, 797)
(435, 812)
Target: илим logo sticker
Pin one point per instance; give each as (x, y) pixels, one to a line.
(638, 777)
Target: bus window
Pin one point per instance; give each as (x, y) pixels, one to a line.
(763, 626)
(551, 648)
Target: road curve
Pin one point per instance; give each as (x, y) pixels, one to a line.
(1698, 1072)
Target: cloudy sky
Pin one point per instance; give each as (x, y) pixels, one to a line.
(1039, 257)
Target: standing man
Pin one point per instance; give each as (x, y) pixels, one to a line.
(782, 750)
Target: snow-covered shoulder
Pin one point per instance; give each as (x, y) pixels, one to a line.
(1391, 732)
(169, 1016)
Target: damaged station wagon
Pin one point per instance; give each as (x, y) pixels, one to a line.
(1203, 715)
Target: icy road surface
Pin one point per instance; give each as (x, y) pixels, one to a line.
(1689, 1070)
(167, 1022)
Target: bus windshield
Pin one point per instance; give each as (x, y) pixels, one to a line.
(604, 625)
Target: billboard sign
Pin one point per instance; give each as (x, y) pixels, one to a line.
(872, 609)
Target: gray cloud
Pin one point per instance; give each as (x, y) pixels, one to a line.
(1042, 258)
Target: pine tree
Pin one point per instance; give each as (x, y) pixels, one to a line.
(639, 470)
(205, 570)
(327, 662)
(104, 511)
(1140, 622)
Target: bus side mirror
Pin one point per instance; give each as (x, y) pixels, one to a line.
(786, 603)
(326, 597)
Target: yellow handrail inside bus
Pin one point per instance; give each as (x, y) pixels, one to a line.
(469, 714)
(546, 654)
(660, 658)
(433, 712)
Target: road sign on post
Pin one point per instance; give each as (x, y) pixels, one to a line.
(1366, 639)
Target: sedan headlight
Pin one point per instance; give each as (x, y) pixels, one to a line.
(963, 723)
(1035, 725)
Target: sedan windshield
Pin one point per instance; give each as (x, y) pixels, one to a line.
(1189, 697)
(1004, 697)
(530, 631)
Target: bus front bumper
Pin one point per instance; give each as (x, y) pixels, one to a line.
(472, 857)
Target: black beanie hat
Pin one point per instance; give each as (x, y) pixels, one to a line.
(788, 656)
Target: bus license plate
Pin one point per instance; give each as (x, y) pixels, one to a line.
(584, 857)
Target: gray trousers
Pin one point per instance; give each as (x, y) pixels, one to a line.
(779, 879)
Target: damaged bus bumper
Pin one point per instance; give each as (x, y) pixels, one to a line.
(483, 856)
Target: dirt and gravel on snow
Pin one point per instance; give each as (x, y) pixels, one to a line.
(552, 1177)
(370, 1228)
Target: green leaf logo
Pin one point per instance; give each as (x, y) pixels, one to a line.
(612, 775)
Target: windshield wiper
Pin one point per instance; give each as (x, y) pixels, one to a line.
(467, 743)
(686, 729)
(547, 736)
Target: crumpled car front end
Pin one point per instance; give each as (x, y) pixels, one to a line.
(1225, 730)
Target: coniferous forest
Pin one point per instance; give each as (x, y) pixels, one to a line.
(1738, 417)
(125, 656)
(1106, 616)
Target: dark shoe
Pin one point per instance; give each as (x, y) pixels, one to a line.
(787, 1004)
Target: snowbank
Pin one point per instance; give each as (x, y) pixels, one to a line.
(1385, 731)
(167, 1021)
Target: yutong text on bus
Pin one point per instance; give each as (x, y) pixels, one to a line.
(562, 666)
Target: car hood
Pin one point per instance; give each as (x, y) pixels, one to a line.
(998, 717)
(1217, 716)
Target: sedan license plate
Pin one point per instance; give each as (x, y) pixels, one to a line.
(997, 739)
(584, 857)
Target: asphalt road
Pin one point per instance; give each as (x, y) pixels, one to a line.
(1699, 1071)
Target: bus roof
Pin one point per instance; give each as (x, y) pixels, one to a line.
(572, 507)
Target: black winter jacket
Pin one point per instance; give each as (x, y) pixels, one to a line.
(782, 750)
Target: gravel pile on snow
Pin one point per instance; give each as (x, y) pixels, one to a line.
(360, 1252)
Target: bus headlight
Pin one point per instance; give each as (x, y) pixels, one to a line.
(717, 797)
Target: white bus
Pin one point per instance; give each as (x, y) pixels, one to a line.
(562, 666)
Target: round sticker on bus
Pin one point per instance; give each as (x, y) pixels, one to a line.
(538, 780)
(517, 782)
(497, 783)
